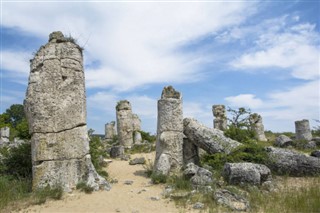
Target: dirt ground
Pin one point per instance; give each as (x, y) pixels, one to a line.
(140, 197)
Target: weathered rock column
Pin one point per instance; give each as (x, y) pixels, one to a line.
(169, 154)
(190, 152)
(55, 106)
(303, 131)
(257, 126)
(136, 125)
(4, 135)
(124, 123)
(220, 121)
(110, 131)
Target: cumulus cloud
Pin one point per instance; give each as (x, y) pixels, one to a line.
(244, 100)
(284, 46)
(17, 63)
(135, 43)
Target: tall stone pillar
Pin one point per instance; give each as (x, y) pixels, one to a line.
(136, 125)
(303, 131)
(220, 121)
(110, 131)
(55, 106)
(257, 126)
(169, 154)
(124, 123)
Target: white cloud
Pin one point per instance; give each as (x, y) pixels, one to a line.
(244, 100)
(17, 62)
(292, 48)
(135, 43)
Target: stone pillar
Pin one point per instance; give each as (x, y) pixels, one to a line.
(55, 106)
(136, 125)
(110, 131)
(220, 121)
(124, 123)
(257, 126)
(303, 131)
(169, 154)
(4, 135)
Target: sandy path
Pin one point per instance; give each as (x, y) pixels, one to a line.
(121, 198)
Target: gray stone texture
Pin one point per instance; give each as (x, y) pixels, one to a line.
(110, 131)
(293, 163)
(315, 153)
(257, 126)
(283, 141)
(4, 135)
(211, 140)
(246, 173)
(220, 121)
(231, 200)
(137, 138)
(169, 145)
(190, 152)
(198, 176)
(55, 106)
(117, 151)
(303, 131)
(124, 123)
(136, 122)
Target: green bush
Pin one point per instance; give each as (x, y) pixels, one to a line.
(146, 136)
(96, 151)
(42, 194)
(180, 182)
(243, 135)
(158, 178)
(251, 152)
(12, 189)
(17, 161)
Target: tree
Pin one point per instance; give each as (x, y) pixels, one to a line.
(239, 128)
(16, 114)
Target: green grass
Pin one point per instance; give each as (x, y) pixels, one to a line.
(158, 178)
(82, 186)
(13, 189)
(41, 195)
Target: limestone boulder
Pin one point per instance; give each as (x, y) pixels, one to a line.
(293, 163)
(246, 173)
(283, 141)
(117, 151)
(211, 140)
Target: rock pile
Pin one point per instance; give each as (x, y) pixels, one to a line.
(55, 106)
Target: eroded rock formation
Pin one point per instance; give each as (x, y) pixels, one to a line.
(169, 154)
(55, 106)
(211, 140)
(124, 123)
(4, 135)
(303, 131)
(110, 131)
(220, 121)
(257, 126)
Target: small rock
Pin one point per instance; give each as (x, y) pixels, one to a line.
(155, 198)
(128, 182)
(135, 161)
(118, 210)
(142, 190)
(231, 200)
(125, 157)
(283, 141)
(315, 153)
(310, 145)
(198, 205)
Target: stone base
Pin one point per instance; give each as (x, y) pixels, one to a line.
(67, 173)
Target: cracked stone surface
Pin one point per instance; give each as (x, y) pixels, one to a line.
(169, 146)
(55, 106)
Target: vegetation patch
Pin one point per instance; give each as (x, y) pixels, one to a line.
(82, 186)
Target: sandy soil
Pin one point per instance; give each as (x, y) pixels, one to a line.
(135, 198)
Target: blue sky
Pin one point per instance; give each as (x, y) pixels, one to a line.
(255, 54)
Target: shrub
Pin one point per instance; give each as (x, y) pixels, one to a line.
(96, 152)
(242, 135)
(41, 195)
(148, 166)
(251, 152)
(146, 136)
(17, 162)
(180, 182)
(13, 189)
(158, 178)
